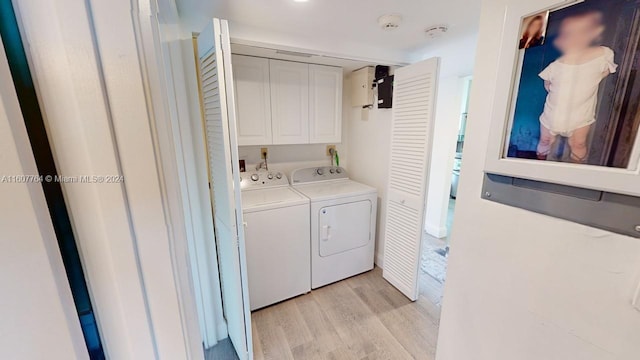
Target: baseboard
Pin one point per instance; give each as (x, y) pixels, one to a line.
(437, 231)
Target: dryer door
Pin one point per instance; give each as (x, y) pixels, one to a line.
(344, 227)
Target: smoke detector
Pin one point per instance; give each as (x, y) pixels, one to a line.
(436, 31)
(390, 22)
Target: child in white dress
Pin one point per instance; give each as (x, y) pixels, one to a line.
(572, 82)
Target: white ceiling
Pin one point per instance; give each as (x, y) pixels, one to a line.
(337, 27)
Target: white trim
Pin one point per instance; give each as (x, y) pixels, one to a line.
(158, 82)
(95, 80)
(99, 212)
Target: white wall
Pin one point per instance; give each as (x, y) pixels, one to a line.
(445, 138)
(39, 319)
(287, 158)
(368, 144)
(527, 286)
(457, 59)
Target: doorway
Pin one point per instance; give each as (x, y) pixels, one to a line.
(435, 250)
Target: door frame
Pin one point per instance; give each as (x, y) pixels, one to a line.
(62, 309)
(112, 120)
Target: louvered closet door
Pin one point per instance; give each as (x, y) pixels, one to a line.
(217, 98)
(410, 155)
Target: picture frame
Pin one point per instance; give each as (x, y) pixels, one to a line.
(622, 180)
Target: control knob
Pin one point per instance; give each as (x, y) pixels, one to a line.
(320, 171)
(270, 176)
(339, 170)
(279, 176)
(255, 177)
(332, 171)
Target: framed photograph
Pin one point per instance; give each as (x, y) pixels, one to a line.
(567, 107)
(534, 30)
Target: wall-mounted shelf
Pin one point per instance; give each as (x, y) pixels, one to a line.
(608, 211)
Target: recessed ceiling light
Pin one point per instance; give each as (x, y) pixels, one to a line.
(390, 22)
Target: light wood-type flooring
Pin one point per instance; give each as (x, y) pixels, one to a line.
(363, 317)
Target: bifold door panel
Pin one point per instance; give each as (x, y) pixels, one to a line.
(409, 160)
(218, 108)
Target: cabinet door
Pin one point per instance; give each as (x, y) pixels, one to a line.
(325, 104)
(289, 102)
(253, 98)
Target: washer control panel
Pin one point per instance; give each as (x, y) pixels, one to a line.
(262, 179)
(320, 173)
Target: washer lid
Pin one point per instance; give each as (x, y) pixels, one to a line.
(334, 189)
(266, 199)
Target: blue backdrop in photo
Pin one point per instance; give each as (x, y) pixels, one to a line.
(531, 98)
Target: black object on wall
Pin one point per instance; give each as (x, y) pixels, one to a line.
(45, 163)
(385, 92)
(381, 72)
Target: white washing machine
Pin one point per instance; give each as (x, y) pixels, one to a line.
(343, 223)
(277, 238)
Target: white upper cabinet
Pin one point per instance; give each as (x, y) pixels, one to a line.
(285, 102)
(289, 102)
(325, 104)
(253, 97)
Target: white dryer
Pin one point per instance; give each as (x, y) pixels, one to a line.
(277, 238)
(343, 223)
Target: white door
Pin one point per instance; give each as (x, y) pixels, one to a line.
(325, 104)
(410, 155)
(39, 320)
(217, 94)
(289, 102)
(253, 100)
